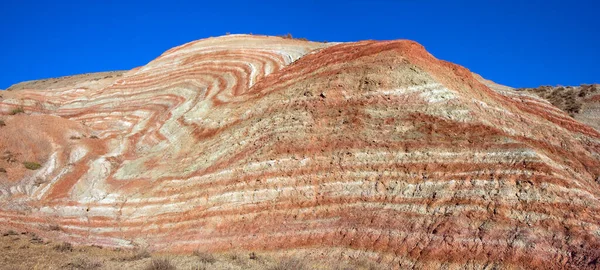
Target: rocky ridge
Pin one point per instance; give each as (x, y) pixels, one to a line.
(370, 149)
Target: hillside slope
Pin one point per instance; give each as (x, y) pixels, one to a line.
(370, 149)
(580, 102)
(94, 81)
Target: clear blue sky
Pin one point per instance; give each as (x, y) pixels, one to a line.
(517, 43)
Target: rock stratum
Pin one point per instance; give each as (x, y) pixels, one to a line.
(369, 149)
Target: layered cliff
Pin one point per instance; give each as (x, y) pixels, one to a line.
(371, 149)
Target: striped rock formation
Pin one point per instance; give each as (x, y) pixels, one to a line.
(369, 149)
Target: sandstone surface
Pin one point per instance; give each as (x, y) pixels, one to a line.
(370, 149)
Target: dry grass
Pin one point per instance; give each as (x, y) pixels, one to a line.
(205, 257)
(289, 263)
(160, 264)
(28, 251)
(64, 247)
(139, 255)
(83, 264)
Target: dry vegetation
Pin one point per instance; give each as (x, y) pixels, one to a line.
(17, 111)
(568, 99)
(161, 264)
(31, 165)
(24, 250)
(289, 36)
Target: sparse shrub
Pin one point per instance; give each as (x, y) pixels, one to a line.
(75, 138)
(142, 254)
(10, 232)
(93, 137)
(17, 111)
(236, 257)
(9, 157)
(53, 227)
(64, 247)
(2, 123)
(32, 165)
(289, 36)
(39, 181)
(83, 264)
(205, 257)
(2, 170)
(160, 264)
(36, 239)
(289, 263)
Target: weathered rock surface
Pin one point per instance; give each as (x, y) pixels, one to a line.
(370, 149)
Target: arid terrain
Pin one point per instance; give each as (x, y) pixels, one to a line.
(28, 251)
(278, 153)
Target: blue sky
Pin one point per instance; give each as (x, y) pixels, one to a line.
(517, 43)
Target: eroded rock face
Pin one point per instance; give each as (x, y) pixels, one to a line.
(371, 149)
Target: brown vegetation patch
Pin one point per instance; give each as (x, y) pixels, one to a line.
(568, 99)
(17, 111)
(31, 165)
(161, 264)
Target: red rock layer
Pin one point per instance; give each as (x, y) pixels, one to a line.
(372, 149)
